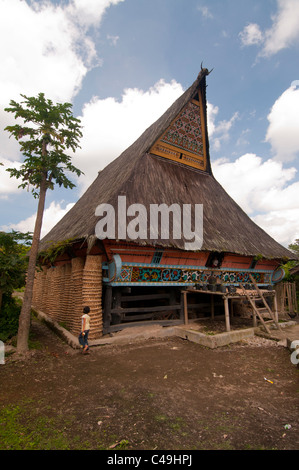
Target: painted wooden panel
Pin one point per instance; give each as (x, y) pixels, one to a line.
(267, 264)
(236, 261)
(185, 139)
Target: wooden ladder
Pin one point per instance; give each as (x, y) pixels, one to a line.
(260, 296)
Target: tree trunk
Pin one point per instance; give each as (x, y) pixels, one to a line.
(24, 319)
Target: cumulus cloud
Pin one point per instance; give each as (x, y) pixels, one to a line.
(8, 185)
(281, 225)
(218, 131)
(110, 126)
(283, 129)
(283, 33)
(52, 215)
(46, 48)
(89, 12)
(40, 51)
(285, 28)
(265, 190)
(205, 12)
(49, 50)
(251, 35)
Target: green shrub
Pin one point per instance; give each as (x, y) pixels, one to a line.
(9, 317)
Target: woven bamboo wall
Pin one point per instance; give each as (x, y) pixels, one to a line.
(76, 305)
(44, 289)
(50, 298)
(92, 293)
(66, 299)
(62, 291)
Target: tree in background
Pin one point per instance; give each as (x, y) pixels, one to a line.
(13, 261)
(294, 247)
(46, 131)
(14, 248)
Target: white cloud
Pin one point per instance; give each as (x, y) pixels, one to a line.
(265, 190)
(49, 45)
(110, 126)
(218, 132)
(45, 48)
(251, 35)
(112, 39)
(283, 129)
(283, 33)
(281, 225)
(8, 185)
(52, 215)
(90, 12)
(285, 29)
(204, 10)
(41, 54)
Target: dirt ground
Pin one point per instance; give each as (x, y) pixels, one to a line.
(154, 394)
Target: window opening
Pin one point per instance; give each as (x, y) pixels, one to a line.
(157, 257)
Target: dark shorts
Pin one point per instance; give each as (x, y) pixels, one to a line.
(83, 339)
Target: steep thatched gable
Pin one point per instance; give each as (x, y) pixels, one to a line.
(148, 173)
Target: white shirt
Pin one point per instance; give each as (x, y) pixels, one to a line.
(86, 317)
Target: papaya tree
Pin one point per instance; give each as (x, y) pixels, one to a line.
(46, 132)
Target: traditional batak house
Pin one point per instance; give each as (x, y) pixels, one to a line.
(127, 280)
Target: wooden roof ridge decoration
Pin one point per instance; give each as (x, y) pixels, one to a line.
(147, 176)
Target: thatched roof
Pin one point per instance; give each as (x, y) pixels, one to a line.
(147, 179)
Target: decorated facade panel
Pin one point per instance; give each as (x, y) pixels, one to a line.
(185, 139)
(131, 274)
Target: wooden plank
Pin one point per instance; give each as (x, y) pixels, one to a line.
(145, 316)
(264, 301)
(294, 298)
(122, 326)
(256, 310)
(134, 298)
(192, 306)
(159, 308)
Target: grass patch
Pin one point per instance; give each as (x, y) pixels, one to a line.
(21, 430)
(23, 427)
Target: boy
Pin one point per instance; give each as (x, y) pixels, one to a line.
(85, 329)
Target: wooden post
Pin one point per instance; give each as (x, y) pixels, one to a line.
(185, 308)
(226, 309)
(212, 307)
(254, 318)
(275, 307)
(107, 309)
(182, 307)
(294, 298)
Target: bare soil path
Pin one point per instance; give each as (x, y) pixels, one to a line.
(153, 394)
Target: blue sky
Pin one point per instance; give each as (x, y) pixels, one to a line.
(123, 62)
